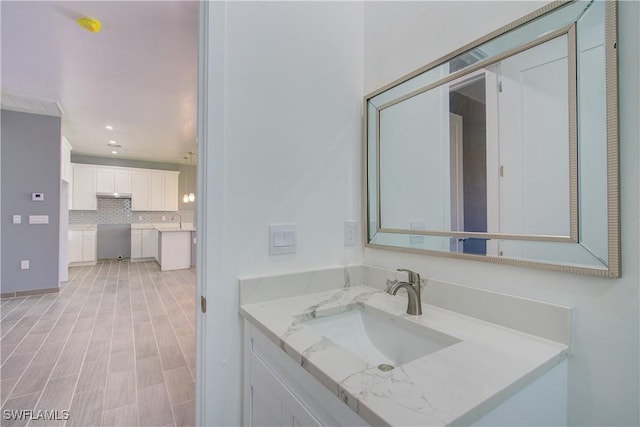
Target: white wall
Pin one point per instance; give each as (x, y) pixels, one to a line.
(285, 90)
(604, 370)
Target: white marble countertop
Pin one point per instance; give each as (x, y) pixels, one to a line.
(455, 385)
(164, 226)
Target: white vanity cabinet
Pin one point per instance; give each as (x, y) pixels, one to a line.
(278, 392)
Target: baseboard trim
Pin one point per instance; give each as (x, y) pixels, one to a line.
(18, 294)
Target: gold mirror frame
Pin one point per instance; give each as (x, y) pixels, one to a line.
(612, 267)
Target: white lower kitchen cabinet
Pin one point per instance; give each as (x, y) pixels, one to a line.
(144, 244)
(278, 392)
(136, 244)
(82, 247)
(150, 244)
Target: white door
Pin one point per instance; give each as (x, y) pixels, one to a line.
(533, 140)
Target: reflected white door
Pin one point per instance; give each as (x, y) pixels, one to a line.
(533, 141)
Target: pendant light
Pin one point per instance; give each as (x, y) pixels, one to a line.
(192, 196)
(185, 197)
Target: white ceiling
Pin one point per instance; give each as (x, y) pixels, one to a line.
(138, 74)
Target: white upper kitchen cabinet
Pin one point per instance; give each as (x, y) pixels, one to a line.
(113, 180)
(164, 190)
(66, 173)
(141, 190)
(84, 188)
(105, 180)
(157, 190)
(171, 191)
(122, 181)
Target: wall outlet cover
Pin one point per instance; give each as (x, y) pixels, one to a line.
(350, 233)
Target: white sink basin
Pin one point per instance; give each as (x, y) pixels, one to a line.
(381, 338)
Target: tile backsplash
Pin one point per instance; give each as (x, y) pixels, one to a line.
(118, 211)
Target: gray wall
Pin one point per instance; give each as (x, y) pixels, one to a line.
(30, 163)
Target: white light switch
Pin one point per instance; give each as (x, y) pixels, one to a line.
(282, 239)
(24, 264)
(17, 219)
(38, 219)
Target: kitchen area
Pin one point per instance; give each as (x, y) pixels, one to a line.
(141, 211)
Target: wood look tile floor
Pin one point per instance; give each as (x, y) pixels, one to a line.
(115, 347)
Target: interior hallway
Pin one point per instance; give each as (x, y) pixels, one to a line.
(116, 346)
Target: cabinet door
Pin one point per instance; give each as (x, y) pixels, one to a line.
(157, 190)
(105, 180)
(149, 244)
(88, 246)
(122, 182)
(84, 188)
(140, 190)
(136, 244)
(65, 162)
(75, 246)
(171, 191)
(272, 403)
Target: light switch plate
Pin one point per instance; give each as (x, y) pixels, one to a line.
(17, 219)
(24, 264)
(38, 219)
(282, 239)
(350, 233)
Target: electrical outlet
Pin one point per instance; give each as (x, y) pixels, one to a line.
(24, 264)
(164, 218)
(350, 233)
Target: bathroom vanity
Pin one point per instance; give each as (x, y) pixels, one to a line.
(351, 355)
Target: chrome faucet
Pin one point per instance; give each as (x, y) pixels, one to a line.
(414, 305)
(179, 216)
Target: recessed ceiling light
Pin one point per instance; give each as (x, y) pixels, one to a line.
(112, 142)
(109, 127)
(114, 152)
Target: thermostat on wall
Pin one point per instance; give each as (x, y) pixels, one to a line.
(37, 197)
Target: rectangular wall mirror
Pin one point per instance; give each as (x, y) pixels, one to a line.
(505, 150)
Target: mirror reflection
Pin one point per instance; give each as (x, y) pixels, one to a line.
(488, 152)
(507, 149)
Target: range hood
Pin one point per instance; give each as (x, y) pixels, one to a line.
(113, 195)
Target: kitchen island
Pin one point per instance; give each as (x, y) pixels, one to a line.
(167, 243)
(174, 248)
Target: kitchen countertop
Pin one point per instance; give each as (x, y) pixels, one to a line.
(83, 227)
(164, 226)
(457, 384)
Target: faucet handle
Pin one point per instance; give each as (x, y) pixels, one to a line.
(414, 278)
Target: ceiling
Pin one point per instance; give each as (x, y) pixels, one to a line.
(137, 74)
